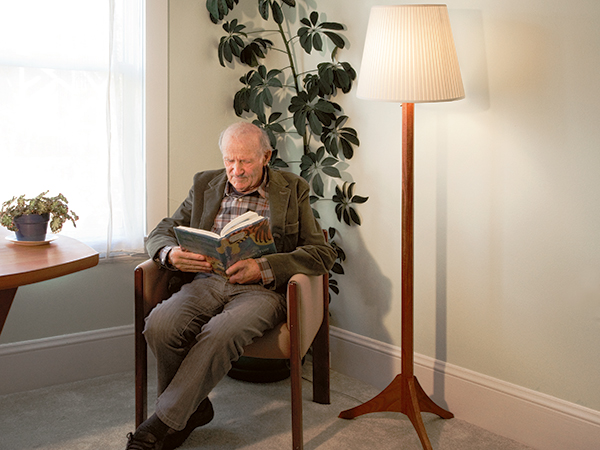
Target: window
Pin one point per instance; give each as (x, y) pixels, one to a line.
(72, 112)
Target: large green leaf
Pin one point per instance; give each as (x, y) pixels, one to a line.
(325, 106)
(333, 286)
(272, 126)
(311, 34)
(332, 172)
(337, 40)
(218, 9)
(277, 162)
(339, 138)
(260, 83)
(335, 75)
(300, 122)
(263, 9)
(277, 12)
(344, 199)
(232, 43)
(317, 184)
(241, 101)
(337, 268)
(318, 114)
(255, 50)
(315, 166)
(315, 124)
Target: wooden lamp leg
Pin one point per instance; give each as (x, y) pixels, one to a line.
(405, 394)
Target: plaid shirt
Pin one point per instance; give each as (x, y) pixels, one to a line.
(235, 204)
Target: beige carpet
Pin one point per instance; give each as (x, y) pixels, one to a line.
(98, 413)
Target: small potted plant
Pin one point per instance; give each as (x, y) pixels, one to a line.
(29, 217)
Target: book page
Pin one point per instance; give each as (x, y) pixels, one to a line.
(200, 231)
(240, 222)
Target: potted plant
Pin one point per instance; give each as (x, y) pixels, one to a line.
(29, 217)
(294, 103)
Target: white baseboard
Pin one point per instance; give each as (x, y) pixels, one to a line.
(63, 359)
(534, 419)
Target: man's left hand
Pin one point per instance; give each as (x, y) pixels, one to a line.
(246, 271)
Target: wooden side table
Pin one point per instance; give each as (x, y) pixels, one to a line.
(21, 265)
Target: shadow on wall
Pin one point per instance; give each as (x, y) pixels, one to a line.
(365, 296)
(467, 29)
(469, 39)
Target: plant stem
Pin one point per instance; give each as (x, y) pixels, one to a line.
(289, 54)
(295, 76)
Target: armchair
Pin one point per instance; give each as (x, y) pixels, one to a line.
(307, 324)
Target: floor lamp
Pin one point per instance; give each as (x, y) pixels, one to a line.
(409, 57)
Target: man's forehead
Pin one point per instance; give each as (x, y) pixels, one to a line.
(241, 136)
(247, 142)
(242, 152)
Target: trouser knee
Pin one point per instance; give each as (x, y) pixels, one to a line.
(159, 330)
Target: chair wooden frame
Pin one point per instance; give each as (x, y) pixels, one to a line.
(307, 325)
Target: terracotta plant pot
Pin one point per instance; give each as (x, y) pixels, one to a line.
(32, 227)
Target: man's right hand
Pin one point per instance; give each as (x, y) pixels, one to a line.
(188, 261)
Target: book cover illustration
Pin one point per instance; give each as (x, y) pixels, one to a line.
(251, 238)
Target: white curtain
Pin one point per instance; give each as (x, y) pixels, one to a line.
(71, 112)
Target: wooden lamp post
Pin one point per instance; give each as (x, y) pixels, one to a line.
(409, 57)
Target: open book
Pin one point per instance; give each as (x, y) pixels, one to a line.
(246, 236)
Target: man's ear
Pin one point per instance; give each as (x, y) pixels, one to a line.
(267, 157)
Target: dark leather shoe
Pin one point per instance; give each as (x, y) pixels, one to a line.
(202, 416)
(142, 440)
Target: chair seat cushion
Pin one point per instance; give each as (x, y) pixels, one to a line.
(274, 344)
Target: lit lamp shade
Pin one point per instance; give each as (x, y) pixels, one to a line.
(409, 56)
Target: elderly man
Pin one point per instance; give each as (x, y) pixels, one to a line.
(199, 331)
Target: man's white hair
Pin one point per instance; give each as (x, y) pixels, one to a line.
(240, 129)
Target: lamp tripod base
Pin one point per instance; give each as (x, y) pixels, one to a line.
(405, 395)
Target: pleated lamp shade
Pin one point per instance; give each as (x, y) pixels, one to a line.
(409, 56)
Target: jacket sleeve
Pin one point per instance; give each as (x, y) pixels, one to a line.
(163, 233)
(303, 249)
(197, 210)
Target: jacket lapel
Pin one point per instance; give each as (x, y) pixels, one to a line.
(212, 201)
(279, 197)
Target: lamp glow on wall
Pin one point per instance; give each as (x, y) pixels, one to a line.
(409, 57)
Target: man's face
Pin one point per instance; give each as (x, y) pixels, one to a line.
(244, 161)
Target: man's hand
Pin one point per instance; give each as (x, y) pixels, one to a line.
(188, 261)
(245, 271)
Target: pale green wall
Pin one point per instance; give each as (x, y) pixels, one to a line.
(507, 252)
(93, 299)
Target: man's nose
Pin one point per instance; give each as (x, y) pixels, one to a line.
(238, 168)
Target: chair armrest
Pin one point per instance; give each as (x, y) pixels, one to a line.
(151, 285)
(310, 307)
(277, 342)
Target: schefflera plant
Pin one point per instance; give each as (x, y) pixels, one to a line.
(286, 102)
